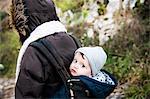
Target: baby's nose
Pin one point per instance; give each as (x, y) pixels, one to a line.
(76, 66)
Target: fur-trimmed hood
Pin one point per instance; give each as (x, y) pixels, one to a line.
(28, 14)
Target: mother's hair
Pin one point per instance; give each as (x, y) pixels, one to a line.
(28, 14)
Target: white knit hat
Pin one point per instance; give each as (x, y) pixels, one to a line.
(96, 57)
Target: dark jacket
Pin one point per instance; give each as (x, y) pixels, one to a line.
(97, 89)
(36, 78)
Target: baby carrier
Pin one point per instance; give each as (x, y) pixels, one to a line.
(74, 87)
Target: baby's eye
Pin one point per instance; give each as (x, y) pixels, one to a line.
(75, 61)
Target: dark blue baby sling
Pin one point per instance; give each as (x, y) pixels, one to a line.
(82, 87)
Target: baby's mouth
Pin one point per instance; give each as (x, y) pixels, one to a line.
(73, 71)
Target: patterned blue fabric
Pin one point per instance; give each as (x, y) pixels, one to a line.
(103, 77)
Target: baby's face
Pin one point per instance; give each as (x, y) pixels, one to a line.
(80, 66)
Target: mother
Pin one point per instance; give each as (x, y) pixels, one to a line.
(34, 20)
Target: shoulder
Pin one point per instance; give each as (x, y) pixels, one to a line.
(33, 55)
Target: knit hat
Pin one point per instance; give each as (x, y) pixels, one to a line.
(96, 57)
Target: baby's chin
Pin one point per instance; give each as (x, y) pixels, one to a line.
(74, 74)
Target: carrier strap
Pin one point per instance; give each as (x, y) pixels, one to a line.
(49, 51)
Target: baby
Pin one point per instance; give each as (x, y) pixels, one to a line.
(88, 61)
(86, 68)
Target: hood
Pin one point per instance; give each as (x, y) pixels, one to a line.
(28, 14)
(38, 12)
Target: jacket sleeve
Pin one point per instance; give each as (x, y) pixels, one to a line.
(32, 75)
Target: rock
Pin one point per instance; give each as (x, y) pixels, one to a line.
(1, 91)
(7, 88)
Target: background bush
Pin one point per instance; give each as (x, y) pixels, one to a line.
(9, 47)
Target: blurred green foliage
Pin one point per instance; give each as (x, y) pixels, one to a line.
(129, 55)
(138, 92)
(73, 5)
(128, 51)
(9, 50)
(2, 15)
(87, 41)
